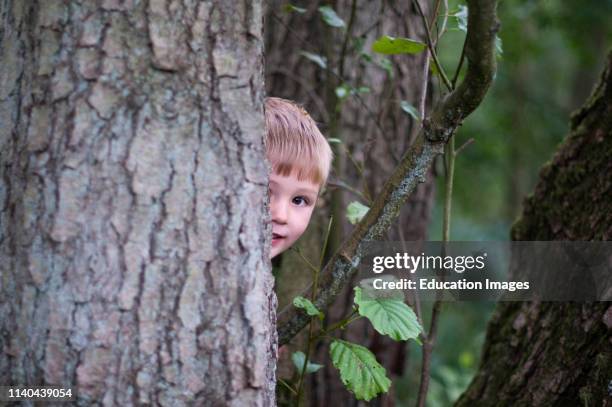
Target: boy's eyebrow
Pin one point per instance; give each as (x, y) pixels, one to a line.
(301, 190)
(307, 191)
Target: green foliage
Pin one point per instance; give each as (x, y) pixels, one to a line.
(393, 46)
(299, 358)
(290, 8)
(411, 110)
(498, 47)
(344, 90)
(316, 58)
(461, 18)
(389, 315)
(308, 306)
(330, 17)
(359, 370)
(355, 211)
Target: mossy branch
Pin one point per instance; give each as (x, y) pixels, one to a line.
(436, 131)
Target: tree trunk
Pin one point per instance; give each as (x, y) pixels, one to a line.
(558, 353)
(372, 127)
(133, 227)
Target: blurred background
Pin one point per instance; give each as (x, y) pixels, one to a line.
(550, 53)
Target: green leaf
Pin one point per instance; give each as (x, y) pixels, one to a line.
(389, 316)
(411, 110)
(433, 68)
(359, 370)
(498, 47)
(333, 140)
(290, 8)
(330, 17)
(306, 305)
(386, 64)
(342, 91)
(355, 212)
(392, 46)
(299, 358)
(317, 59)
(462, 18)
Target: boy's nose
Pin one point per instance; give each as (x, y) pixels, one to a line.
(279, 212)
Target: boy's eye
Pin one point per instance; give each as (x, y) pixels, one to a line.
(300, 201)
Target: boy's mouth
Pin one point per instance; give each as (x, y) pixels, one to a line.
(276, 237)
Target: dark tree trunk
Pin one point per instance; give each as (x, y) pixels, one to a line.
(134, 266)
(373, 128)
(558, 353)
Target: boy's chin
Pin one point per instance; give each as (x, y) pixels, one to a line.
(276, 250)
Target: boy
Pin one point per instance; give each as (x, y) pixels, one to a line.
(300, 158)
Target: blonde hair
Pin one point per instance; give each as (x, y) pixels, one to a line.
(294, 142)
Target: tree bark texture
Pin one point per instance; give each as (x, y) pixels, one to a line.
(544, 353)
(372, 127)
(133, 225)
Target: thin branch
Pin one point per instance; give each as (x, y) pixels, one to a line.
(460, 65)
(430, 338)
(310, 265)
(341, 184)
(464, 145)
(349, 29)
(288, 386)
(412, 170)
(432, 49)
(428, 343)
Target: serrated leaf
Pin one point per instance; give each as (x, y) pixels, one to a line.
(330, 17)
(355, 212)
(317, 59)
(389, 316)
(306, 305)
(290, 8)
(368, 291)
(393, 46)
(411, 110)
(359, 370)
(299, 358)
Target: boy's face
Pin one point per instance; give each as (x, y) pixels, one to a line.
(291, 204)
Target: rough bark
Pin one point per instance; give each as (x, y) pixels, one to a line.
(558, 353)
(133, 227)
(375, 134)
